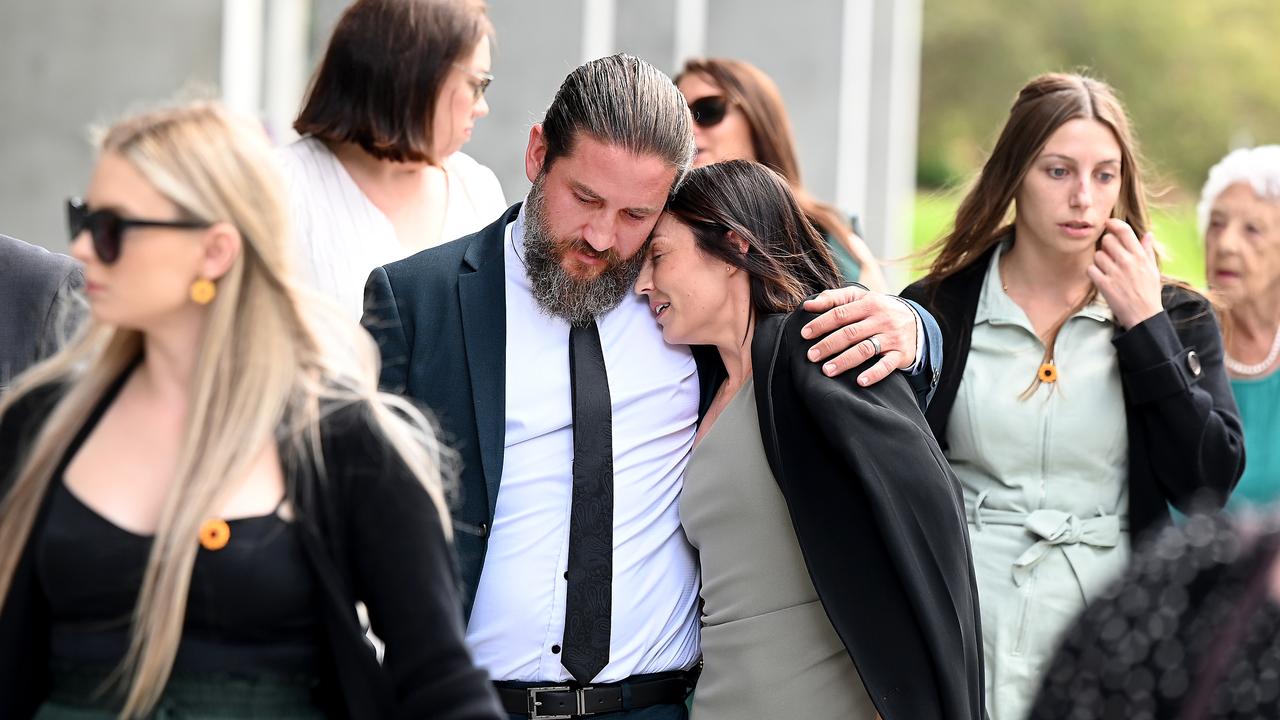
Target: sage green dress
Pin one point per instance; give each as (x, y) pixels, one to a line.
(1045, 483)
(769, 649)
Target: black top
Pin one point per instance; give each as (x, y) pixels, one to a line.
(1186, 443)
(368, 532)
(1193, 631)
(878, 517)
(253, 606)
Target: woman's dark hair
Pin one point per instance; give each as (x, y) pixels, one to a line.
(381, 75)
(772, 140)
(786, 259)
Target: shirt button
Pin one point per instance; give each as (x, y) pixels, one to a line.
(555, 649)
(484, 530)
(566, 574)
(1193, 363)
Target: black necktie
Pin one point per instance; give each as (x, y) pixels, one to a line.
(589, 595)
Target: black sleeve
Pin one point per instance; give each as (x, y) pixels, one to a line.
(1188, 419)
(382, 320)
(24, 619)
(404, 572)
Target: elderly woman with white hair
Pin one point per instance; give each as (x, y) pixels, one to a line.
(1240, 221)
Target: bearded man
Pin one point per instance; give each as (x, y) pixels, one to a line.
(572, 417)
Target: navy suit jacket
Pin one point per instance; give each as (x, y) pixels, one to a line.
(439, 318)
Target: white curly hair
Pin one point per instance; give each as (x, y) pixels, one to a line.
(1259, 166)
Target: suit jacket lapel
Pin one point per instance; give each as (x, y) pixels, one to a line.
(483, 302)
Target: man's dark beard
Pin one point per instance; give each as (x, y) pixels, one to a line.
(557, 292)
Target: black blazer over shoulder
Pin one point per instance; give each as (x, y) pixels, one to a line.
(879, 519)
(370, 533)
(1186, 442)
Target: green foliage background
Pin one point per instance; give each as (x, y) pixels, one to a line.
(1198, 77)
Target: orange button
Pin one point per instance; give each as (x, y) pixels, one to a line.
(1048, 373)
(214, 534)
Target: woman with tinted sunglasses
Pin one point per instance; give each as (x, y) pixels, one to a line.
(379, 174)
(199, 490)
(738, 114)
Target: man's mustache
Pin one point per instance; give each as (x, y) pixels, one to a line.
(610, 255)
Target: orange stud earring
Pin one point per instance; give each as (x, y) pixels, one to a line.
(203, 291)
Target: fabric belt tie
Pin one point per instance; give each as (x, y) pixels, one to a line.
(1075, 537)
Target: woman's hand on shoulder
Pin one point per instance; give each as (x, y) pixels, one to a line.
(1125, 271)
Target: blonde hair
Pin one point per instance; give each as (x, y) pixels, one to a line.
(269, 365)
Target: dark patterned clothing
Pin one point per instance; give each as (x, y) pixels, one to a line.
(1193, 631)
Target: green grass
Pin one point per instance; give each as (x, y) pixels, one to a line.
(1175, 229)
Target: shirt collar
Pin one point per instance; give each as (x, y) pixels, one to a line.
(997, 308)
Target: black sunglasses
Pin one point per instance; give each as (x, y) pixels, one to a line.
(709, 111)
(106, 227)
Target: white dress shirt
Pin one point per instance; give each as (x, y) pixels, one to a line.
(517, 623)
(342, 236)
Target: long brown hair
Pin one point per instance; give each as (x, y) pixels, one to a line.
(772, 140)
(984, 217)
(786, 259)
(1043, 105)
(381, 75)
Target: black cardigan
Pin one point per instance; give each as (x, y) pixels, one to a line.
(1186, 443)
(880, 523)
(370, 533)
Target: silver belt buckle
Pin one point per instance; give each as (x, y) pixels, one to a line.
(534, 703)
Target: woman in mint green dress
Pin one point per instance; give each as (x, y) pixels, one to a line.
(1240, 222)
(1081, 393)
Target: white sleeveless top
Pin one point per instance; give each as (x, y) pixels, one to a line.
(342, 236)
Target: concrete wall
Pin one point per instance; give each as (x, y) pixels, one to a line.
(838, 63)
(67, 64)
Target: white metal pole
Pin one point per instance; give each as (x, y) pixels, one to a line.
(288, 22)
(598, 28)
(242, 55)
(853, 127)
(691, 31)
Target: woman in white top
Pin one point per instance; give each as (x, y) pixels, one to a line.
(377, 175)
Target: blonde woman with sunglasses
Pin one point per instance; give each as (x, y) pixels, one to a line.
(199, 489)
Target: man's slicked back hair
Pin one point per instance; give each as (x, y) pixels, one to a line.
(623, 101)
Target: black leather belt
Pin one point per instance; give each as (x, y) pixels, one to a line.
(560, 702)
